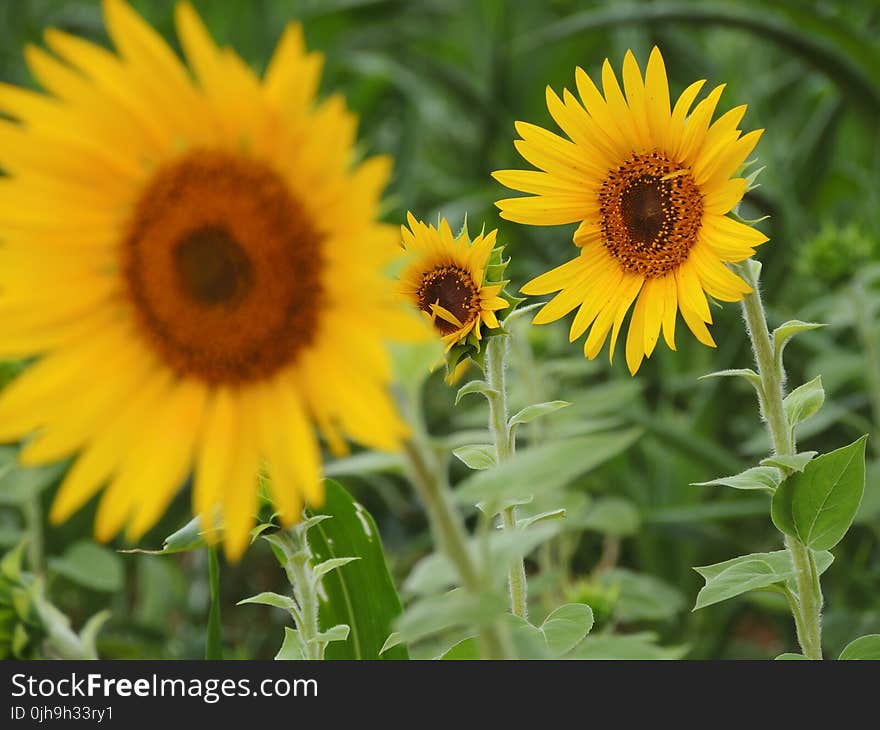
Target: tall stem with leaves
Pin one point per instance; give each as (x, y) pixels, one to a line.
(807, 606)
(503, 441)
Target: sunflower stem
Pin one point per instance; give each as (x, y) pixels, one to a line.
(497, 349)
(807, 609)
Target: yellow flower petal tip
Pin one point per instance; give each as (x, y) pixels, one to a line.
(209, 331)
(650, 181)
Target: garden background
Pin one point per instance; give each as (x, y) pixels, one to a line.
(438, 85)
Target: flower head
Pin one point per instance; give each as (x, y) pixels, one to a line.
(454, 282)
(180, 250)
(651, 185)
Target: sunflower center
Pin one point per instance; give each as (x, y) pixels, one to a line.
(212, 267)
(651, 211)
(224, 268)
(452, 288)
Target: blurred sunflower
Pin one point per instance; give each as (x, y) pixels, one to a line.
(650, 186)
(182, 252)
(446, 278)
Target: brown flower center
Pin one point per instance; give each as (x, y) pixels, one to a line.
(454, 289)
(224, 268)
(651, 212)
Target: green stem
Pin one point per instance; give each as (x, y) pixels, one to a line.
(33, 520)
(214, 642)
(496, 351)
(305, 592)
(429, 480)
(770, 397)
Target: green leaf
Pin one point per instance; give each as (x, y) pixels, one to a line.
(525, 522)
(566, 627)
(189, 537)
(641, 597)
(293, 648)
(276, 600)
(361, 593)
(741, 575)
(865, 647)
(457, 608)
(91, 566)
(321, 569)
(542, 468)
(746, 573)
(612, 516)
(366, 462)
(783, 333)
(804, 401)
(746, 373)
(626, 646)
(817, 506)
(790, 656)
(530, 413)
(475, 386)
(476, 456)
(790, 462)
(18, 484)
(339, 632)
(464, 649)
(765, 478)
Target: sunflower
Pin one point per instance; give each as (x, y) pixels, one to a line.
(197, 266)
(651, 187)
(446, 278)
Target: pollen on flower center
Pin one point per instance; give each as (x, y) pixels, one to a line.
(452, 288)
(224, 268)
(651, 213)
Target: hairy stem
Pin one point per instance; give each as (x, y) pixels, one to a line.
(771, 394)
(496, 352)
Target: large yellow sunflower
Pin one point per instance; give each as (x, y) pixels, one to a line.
(198, 266)
(650, 186)
(446, 279)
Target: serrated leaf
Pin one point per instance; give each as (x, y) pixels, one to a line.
(394, 639)
(276, 600)
(865, 647)
(746, 373)
(791, 657)
(321, 569)
(790, 462)
(817, 506)
(361, 593)
(476, 456)
(804, 401)
(475, 386)
(188, 537)
(538, 410)
(542, 468)
(783, 333)
(91, 566)
(766, 478)
(293, 647)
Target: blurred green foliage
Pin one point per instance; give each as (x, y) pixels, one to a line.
(438, 84)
